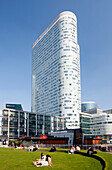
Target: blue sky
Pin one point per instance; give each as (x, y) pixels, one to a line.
(23, 21)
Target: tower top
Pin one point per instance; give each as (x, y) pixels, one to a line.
(66, 13)
(58, 17)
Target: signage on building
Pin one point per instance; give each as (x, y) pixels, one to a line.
(43, 137)
(98, 137)
(23, 137)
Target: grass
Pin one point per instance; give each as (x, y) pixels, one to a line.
(107, 158)
(22, 160)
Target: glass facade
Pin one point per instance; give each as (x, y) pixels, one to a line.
(56, 71)
(14, 124)
(85, 124)
(99, 124)
(88, 105)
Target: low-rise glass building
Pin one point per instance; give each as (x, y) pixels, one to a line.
(95, 122)
(15, 123)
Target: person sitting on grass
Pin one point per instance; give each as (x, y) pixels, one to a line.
(77, 148)
(23, 147)
(91, 151)
(35, 148)
(27, 148)
(53, 149)
(72, 150)
(30, 148)
(43, 161)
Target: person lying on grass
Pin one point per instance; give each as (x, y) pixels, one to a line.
(43, 161)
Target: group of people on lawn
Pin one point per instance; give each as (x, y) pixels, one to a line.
(32, 148)
(45, 160)
(73, 149)
(90, 150)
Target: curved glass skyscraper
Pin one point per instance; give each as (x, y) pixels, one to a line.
(56, 70)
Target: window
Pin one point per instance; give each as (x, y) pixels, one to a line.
(68, 107)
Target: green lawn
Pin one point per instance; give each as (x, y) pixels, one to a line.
(22, 160)
(107, 157)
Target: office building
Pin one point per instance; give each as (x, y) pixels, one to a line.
(16, 123)
(95, 123)
(56, 71)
